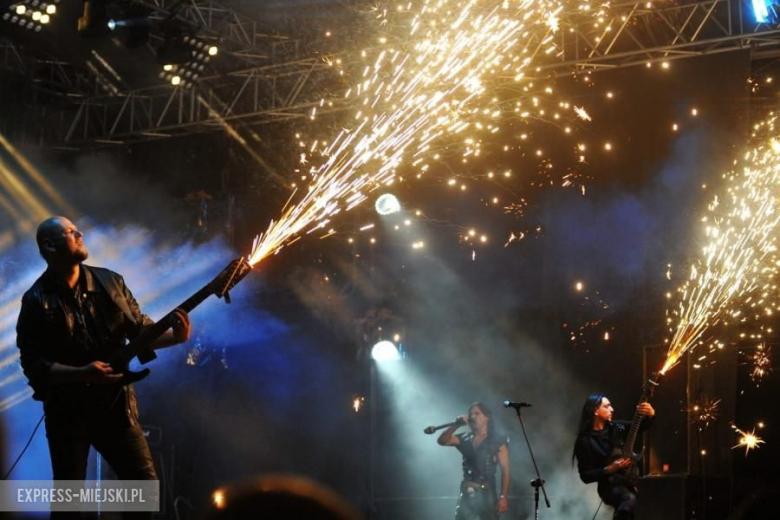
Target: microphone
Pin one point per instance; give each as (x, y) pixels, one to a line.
(516, 406)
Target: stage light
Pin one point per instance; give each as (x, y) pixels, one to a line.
(45, 19)
(21, 9)
(385, 351)
(167, 67)
(761, 10)
(36, 15)
(387, 204)
(213, 50)
(175, 80)
(51, 9)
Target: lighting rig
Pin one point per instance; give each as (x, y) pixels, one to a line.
(33, 15)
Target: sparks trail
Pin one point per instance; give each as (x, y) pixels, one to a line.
(435, 84)
(733, 275)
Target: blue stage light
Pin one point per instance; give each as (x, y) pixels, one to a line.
(761, 10)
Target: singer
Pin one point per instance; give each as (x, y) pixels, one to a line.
(598, 450)
(483, 449)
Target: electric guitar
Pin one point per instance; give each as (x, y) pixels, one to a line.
(629, 476)
(140, 346)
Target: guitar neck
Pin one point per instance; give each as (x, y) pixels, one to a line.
(633, 432)
(647, 392)
(151, 333)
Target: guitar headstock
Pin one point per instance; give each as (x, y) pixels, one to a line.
(650, 385)
(229, 277)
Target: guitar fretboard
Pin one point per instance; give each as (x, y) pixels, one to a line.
(151, 333)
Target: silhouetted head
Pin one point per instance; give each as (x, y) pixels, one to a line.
(60, 242)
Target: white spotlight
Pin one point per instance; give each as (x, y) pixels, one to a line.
(387, 204)
(385, 351)
(213, 50)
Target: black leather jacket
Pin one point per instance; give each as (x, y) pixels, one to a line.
(45, 331)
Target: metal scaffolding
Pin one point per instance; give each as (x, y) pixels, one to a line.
(239, 35)
(273, 83)
(637, 33)
(254, 96)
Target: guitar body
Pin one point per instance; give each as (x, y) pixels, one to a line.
(628, 477)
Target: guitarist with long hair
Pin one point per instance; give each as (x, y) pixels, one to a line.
(600, 452)
(71, 320)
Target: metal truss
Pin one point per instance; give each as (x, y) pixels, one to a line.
(276, 85)
(46, 73)
(241, 36)
(637, 33)
(254, 96)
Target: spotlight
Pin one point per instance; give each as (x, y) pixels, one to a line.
(21, 9)
(51, 9)
(175, 80)
(213, 50)
(36, 15)
(385, 351)
(387, 204)
(761, 10)
(167, 67)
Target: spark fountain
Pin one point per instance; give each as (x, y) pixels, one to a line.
(440, 81)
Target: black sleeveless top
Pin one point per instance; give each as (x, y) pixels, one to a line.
(479, 465)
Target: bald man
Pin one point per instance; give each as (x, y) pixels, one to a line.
(73, 316)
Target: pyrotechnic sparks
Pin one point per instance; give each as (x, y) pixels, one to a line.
(703, 412)
(433, 85)
(582, 114)
(761, 361)
(747, 440)
(733, 275)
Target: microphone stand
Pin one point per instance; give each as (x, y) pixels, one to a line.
(537, 482)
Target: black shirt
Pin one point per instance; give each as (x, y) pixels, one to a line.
(479, 465)
(594, 448)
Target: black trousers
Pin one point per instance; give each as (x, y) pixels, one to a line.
(118, 438)
(476, 502)
(621, 498)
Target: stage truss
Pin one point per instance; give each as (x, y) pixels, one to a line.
(275, 83)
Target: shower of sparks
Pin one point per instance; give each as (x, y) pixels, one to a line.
(703, 412)
(732, 280)
(747, 440)
(445, 77)
(582, 114)
(761, 361)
